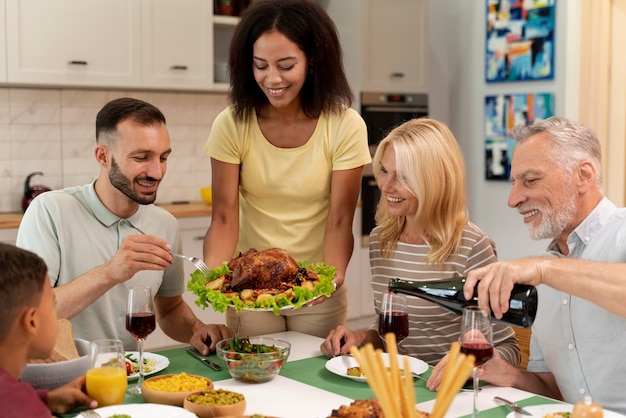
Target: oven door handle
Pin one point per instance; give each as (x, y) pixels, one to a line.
(394, 109)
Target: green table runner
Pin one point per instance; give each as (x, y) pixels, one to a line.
(312, 371)
(503, 411)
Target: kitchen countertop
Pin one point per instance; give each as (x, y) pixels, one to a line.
(179, 210)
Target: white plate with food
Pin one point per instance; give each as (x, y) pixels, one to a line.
(143, 410)
(340, 365)
(153, 363)
(267, 280)
(553, 410)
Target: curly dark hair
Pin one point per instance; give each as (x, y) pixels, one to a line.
(326, 89)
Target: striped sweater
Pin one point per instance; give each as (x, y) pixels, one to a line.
(432, 328)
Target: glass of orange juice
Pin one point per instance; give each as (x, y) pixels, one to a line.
(106, 376)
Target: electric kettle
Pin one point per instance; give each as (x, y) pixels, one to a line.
(30, 192)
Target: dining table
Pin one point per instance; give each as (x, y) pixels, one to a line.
(305, 388)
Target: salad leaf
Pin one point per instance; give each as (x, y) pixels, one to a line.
(220, 301)
(148, 364)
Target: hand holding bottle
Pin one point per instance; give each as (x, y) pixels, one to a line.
(521, 299)
(493, 284)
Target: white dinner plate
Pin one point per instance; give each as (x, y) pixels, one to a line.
(144, 410)
(541, 411)
(339, 365)
(161, 362)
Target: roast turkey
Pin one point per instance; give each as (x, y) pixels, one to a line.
(267, 269)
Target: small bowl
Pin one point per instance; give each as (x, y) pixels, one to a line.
(53, 375)
(210, 410)
(169, 397)
(207, 195)
(254, 367)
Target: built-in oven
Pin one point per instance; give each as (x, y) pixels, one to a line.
(381, 113)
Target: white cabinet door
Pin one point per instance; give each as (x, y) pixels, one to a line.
(177, 44)
(395, 46)
(74, 42)
(3, 45)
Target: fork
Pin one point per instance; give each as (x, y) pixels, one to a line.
(196, 262)
(200, 265)
(90, 413)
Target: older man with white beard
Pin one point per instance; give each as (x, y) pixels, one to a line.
(580, 331)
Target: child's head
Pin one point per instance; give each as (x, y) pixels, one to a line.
(26, 299)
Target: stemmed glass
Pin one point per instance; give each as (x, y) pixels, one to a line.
(476, 338)
(393, 316)
(140, 322)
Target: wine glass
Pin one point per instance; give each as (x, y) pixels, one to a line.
(106, 377)
(393, 316)
(476, 338)
(140, 322)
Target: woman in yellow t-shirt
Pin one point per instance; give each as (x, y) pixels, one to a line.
(287, 155)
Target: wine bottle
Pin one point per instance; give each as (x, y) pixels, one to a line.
(449, 294)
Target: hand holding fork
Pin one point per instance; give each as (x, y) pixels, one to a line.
(200, 265)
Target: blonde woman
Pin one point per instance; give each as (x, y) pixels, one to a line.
(423, 234)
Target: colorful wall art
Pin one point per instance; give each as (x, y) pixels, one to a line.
(520, 40)
(502, 114)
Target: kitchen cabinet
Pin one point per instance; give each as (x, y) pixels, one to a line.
(115, 43)
(74, 42)
(177, 44)
(184, 45)
(395, 51)
(223, 29)
(192, 232)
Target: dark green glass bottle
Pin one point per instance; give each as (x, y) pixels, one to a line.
(449, 294)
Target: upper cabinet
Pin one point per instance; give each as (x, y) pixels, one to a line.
(395, 46)
(177, 44)
(164, 44)
(74, 42)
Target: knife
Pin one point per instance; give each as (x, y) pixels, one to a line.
(203, 359)
(515, 407)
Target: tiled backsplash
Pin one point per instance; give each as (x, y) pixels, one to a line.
(53, 131)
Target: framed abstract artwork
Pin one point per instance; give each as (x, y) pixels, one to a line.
(520, 40)
(502, 113)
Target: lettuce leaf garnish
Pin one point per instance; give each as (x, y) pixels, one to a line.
(220, 302)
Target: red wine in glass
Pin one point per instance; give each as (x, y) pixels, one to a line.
(140, 324)
(394, 321)
(482, 351)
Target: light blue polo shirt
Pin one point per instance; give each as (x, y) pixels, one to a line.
(74, 232)
(579, 342)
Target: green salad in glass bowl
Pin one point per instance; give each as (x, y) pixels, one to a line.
(253, 360)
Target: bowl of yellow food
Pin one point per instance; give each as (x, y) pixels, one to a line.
(206, 193)
(215, 403)
(172, 389)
